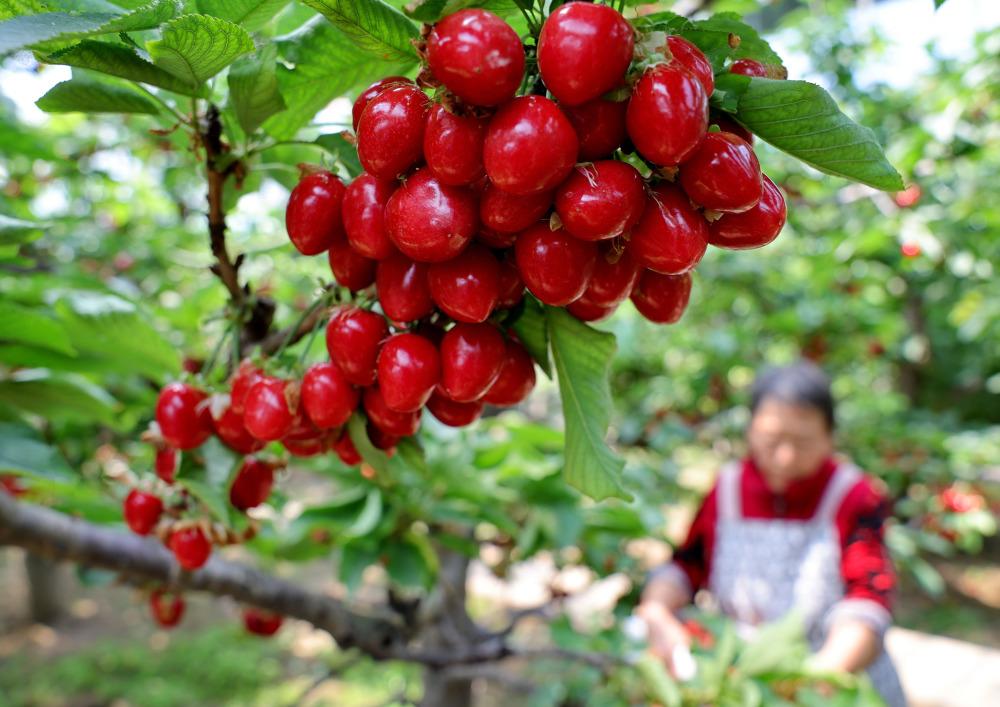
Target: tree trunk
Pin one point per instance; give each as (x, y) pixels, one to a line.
(449, 625)
(48, 588)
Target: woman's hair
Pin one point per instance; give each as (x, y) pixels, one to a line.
(803, 383)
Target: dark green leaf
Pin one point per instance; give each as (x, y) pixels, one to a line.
(26, 326)
(215, 499)
(27, 30)
(412, 562)
(195, 48)
(728, 89)
(374, 26)
(939, 3)
(59, 398)
(803, 120)
(253, 88)
(532, 328)
(714, 44)
(344, 152)
(751, 46)
(582, 356)
(249, 14)
(17, 231)
(92, 97)
(356, 558)
(369, 517)
(22, 452)
(433, 10)
(658, 683)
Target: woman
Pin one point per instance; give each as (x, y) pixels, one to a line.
(790, 526)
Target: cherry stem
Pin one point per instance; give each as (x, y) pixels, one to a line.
(298, 325)
(312, 337)
(234, 327)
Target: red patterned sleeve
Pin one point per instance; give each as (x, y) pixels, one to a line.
(691, 562)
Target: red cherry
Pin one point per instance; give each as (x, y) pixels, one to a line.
(510, 214)
(453, 146)
(327, 397)
(430, 221)
(351, 269)
(753, 228)
(511, 284)
(908, 197)
(910, 249)
(308, 444)
(662, 298)
(584, 51)
(516, 379)
(353, 339)
(164, 613)
(454, 414)
(409, 368)
(585, 310)
(402, 288)
(471, 357)
(555, 266)
(183, 416)
(749, 67)
(692, 59)
(530, 146)
(166, 464)
(245, 376)
(727, 124)
(190, 547)
(344, 448)
(313, 216)
(380, 439)
(268, 413)
(495, 239)
(467, 287)
(231, 428)
(364, 215)
(477, 56)
(599, 125)
(252, 484)
(142, 511)
(261, 622)
(668, 114)
(401, 424)
(723, 174)
(614, 278)
(391, 131)
(601, 200)
(672, 236)
(361, 102)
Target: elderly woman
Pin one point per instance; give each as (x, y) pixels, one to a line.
(790, 526)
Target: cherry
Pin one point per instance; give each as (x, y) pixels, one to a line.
(614, 278)
(516, 379)
(749, 67)
(467, 287)
(261, 622)
(672, 236)
(165, 464)
(327, 397)
(555, 266)
(530, 146)
(601, 200)
(452, 413)
(190, 547)
(380, 439)
(431, 221)
(471, 358)
(312, 216)
(270, 409)
(753, 228)
(508, 213)
(586, 310)
(401, 424)
(910, 249)
(353, 339)
(495, 239)
(584, 51)
(344, 448)
(599, 125)
(511, 284)
(245, 376)
(311, 445)
(252, 484)
(364, 215)
(12, 485)
(723, 174)
(142, 511)
(166, 614)
(692, 59)
(453, 146)
(662, 298)
(391, 131)
(477, 56)
(727, 124)
(231, 428)
(409, 368)
(361, 102)
(351, 269)
(183, 416)
(668, 114)
(402, 288)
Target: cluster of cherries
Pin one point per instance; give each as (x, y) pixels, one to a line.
(168, 608)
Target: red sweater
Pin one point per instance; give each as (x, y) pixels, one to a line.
(865, 565)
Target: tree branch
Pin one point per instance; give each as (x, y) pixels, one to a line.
(274, 341)
(224, 267)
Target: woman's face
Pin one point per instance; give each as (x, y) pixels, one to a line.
(788, 442)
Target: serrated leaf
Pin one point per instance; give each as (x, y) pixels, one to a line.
(58, 399)
(249, 14)
(22, 452)
(433, 10)
(752, 45)
(26, 326)
(532, 329)
(344, 152)
(374, 26)
(148, 16)
(803, 120)
(713, 44)
(14, 8)
(195, 48)
(117, 60)
(253, 88)
(84, 96)
(582, 356)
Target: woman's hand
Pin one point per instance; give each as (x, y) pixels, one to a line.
(666, 633)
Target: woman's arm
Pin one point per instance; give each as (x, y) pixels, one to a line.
(852, 645)
(662, 597)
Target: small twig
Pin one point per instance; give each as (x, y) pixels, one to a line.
(330, 674)
(277, 341)
(181, 118)
(224, 268)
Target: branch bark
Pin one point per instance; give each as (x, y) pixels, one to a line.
(224, 268)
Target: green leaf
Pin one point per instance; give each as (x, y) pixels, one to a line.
(532, 329)
(583, 358)
(374, 26)
(713, 44)
(354, 560)
(26, 326)
(412, 562)
(252, 15)
(58, 398)
(148, 16)
(215, 499)
(117, 60)
(939, 3)
(752, 46)
(195, 48)
(85, 96)
(344, 152)
(728, 90)
(369, 517)
(780, 646)
(22, 452)
(253, 88)
(433, 10)
(18, 231)
(803, 120)
(658, 683)
(14, 8)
